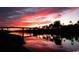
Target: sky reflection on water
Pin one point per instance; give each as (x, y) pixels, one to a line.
(48, 42)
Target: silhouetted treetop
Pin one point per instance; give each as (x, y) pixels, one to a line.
(57, 24)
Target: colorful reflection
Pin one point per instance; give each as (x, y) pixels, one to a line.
(48, 42)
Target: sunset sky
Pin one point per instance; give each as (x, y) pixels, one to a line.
(37, 16)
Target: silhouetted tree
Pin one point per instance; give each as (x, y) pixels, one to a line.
(76, 25)
(57, 24)
(51, 26)
(70, 22)
(78, 22)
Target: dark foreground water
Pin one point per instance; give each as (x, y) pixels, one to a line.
(50, 42)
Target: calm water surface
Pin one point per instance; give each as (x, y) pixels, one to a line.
(48, 42)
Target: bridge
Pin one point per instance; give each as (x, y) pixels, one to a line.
(20, 28)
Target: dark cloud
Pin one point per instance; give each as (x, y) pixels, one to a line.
(7, 11)
(14, 14)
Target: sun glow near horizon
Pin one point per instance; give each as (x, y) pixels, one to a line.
(35, 16)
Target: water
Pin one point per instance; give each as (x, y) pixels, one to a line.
(50, 42)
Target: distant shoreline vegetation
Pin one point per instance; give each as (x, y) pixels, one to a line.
(56, 27)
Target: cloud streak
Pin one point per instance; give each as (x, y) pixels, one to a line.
(37, 15)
